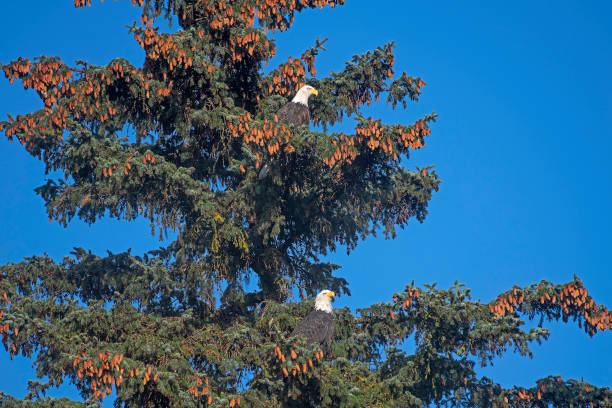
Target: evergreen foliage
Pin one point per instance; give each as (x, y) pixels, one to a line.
(181, 141)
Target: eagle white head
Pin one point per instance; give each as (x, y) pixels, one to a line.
(323, 301)
(303, 94)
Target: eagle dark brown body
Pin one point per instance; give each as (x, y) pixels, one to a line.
(294, 113)
(317, 327)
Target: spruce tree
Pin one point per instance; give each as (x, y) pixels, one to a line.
(182, 140)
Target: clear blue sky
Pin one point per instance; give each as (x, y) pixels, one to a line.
(522, 145)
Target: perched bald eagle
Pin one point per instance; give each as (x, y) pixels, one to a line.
(318, 326)
(296, 112)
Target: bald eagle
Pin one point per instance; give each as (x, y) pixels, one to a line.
(318, 326)
(296, 112)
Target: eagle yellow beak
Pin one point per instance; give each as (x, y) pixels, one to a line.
(330, 293)
(315, 92)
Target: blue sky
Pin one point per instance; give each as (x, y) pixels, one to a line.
(522, 145)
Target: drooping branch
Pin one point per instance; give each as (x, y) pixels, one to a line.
(554, 302)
